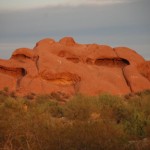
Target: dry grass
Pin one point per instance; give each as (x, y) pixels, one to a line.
(104, 122)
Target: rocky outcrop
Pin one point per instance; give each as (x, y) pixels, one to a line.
(70, 68)
(144, 69)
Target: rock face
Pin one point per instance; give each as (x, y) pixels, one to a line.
(70, 68)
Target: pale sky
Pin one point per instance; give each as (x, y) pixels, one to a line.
(26, 4)
(111, 22)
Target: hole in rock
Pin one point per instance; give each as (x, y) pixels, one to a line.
(73, 59)
(114, 62)
(89, 61)
(15, 72)
(23, 71)
(62, 54)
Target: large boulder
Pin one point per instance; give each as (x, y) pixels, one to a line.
(70, 68)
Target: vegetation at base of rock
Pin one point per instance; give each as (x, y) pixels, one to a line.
(103, 122)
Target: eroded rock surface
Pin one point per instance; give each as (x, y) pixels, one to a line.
(70, 68)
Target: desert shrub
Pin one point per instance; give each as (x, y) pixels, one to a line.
(135, 125)
(18, 126)
(113, 108)
(144, 105)
(30, 96)
(44, 123)
(56, 111)
(3, 96)
(143, 93)
(97, 135)
(46, 102)
(42, 98)
(78, 136)
(148, 128)
(79, 107)
(137, 122)
(13, 94)
(11, 121)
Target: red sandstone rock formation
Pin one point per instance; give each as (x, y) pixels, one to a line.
(69, 67)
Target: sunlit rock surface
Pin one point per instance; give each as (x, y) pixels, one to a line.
(70, 68)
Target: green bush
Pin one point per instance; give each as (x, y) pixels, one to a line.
(79, 107)
(43, 123)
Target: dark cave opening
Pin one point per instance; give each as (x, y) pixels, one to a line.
(112, 62)
(15, 72)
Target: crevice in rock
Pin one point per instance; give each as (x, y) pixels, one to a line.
(127, 82)
(123, 72)
(37, 63)
(20, 78)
